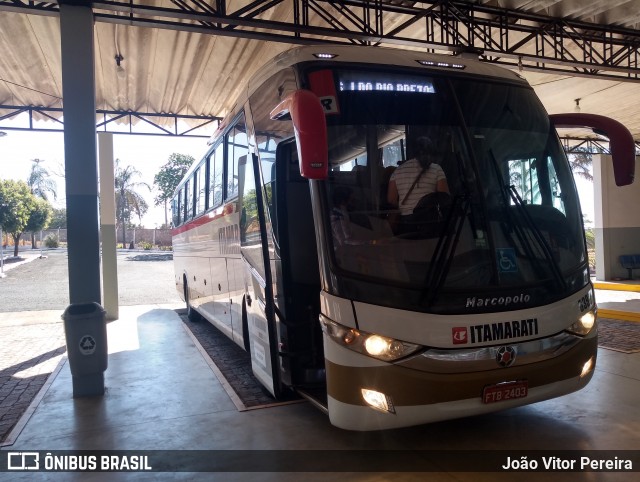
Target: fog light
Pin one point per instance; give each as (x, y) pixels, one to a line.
(587, 367)
(378, 400)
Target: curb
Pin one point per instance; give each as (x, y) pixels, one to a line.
(613, 286)
(25, 259)
(618, 315)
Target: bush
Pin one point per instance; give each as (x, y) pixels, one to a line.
(146, 246)
(590, 237)
(51, 241)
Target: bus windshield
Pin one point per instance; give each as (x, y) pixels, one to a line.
(488, 218)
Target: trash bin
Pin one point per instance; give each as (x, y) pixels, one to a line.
(85, 331)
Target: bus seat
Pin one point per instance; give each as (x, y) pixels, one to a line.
(384, 186)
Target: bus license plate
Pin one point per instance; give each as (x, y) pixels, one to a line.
(505, 391)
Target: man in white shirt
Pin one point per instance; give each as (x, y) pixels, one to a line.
(416, 178)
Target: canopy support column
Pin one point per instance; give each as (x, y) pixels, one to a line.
(81, 167)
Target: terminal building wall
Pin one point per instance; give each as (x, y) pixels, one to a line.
(617, 220)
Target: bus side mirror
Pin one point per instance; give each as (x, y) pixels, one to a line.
(309, 125)
(622, 146)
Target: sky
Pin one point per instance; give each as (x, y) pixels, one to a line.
(587, 203)
(146, 153)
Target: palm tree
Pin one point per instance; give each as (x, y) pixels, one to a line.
(40, 184)
(581, 160)
(128, 201)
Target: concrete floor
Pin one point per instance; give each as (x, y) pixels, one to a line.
(162, 395)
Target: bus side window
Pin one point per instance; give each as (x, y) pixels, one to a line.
(199, 190)
(268, 167)
(215, 176)
(188, 200)
(237, 146)
(250, 233)
(175, 209)
(394, 153)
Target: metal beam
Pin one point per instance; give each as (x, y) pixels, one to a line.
(506, 36)
(576, 145)
(109, 120)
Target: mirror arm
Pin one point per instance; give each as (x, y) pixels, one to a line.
(621, 143)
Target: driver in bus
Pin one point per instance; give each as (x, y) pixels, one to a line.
(340, 222)
(416, 178)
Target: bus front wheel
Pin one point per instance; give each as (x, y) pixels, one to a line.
(192, 314)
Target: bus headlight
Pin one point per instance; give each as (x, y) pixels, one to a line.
(376, 346)
(585, 323)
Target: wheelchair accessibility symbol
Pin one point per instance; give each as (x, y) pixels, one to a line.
(507, 260)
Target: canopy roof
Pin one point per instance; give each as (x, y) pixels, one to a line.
(190, 58)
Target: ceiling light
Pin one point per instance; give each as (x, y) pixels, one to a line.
(446, 65)
(577, 107)
(119, 68)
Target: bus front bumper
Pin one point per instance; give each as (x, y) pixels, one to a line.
(412, 397)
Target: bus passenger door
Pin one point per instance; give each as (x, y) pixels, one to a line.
(259, 303)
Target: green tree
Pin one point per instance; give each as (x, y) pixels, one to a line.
(40, 182)
(581, 160)
(128, 200)
(58, 219)
(40, 216)
(16, 205)
(41, 185)
(168, 178)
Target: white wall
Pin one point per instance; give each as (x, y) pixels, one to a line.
(617, 219)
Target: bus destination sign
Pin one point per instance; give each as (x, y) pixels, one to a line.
(384, 82)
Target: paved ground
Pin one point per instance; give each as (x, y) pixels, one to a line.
(43, 284)
(231, 360)
(31, 350)
(34, 343)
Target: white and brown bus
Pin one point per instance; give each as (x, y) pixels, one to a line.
(478, 301)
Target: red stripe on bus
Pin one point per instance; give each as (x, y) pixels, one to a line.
(202, 220)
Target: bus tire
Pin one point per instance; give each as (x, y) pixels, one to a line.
(192, 314)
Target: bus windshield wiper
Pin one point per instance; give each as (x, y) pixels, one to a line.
(442, 258)
(445, 249)
(535, 231)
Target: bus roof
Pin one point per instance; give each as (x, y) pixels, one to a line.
(468, 62)
(379, 56)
